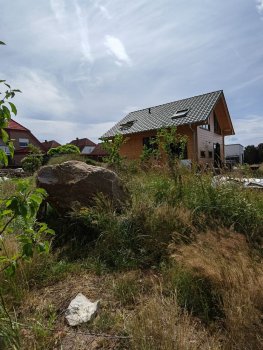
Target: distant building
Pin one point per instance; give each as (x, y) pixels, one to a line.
(98, 153)
(21, 138)
(234, 153)
(85, 145)
(47, 145)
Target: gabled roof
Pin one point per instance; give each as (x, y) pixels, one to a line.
(13, 125)
(50, 144)
(81, 143)
(99, 151)
(189, 111)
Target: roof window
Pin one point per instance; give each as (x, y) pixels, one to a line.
(127, 125)
(180, 113)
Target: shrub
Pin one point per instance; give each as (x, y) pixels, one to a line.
(31, 163)
(65, 149)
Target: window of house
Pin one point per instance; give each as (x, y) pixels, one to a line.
(205, 126)
(210, 154)
(202, 154)
(177, 150)
(217, 128)
(180, 113)
(127, 125)
(23, 142)
(150, 142)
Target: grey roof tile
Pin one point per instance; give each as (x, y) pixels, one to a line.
(199, 109)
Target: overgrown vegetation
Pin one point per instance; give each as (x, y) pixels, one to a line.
(64, 149)
(179, 268)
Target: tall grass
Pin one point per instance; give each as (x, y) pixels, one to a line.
(162, 324)
(236, 275)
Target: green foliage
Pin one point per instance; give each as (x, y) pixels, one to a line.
(149, 153)
(22, 206)
(6, 110)
(31, 163)
(173, 146)
(65, 149)
(253, 154)
(9, 330)
(112, 147)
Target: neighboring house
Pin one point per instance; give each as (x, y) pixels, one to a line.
(204, 119)
(47, 145)
(85, 145)
(21, 138)
(234, 154)
(98, 153)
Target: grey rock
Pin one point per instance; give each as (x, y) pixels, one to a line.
(75, 184)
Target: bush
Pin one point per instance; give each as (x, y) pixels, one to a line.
(65, 149)
(31, 163)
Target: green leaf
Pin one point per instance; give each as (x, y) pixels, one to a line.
(2, 43)
(13, 107)
(17, 90)
(7, 85)
(27, 250)
(2, 81)
(6, 112)
(5, 136)
(3, 158)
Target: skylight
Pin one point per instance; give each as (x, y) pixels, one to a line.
(180, 113)
(127, 125)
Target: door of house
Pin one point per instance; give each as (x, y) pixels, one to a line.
(217, 156)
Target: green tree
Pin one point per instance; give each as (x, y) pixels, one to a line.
(112, 147)
(173, 146)
(251, 155)
(34, 160)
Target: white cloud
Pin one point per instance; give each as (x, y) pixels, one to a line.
(66, 131)
(248, 129)
(259, 6)
(42, 95)
(84, 33)
(117, 49)
(105, 12)
(58, 8)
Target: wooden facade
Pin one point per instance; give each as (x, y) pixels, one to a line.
(205, 141)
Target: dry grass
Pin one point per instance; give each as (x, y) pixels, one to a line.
(161, 324)
(226, 260)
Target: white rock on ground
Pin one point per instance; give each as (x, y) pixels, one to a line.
(81, 310)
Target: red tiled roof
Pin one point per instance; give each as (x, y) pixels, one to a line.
(12, 125)
(50, 144)
(98, 151)
(81, 143)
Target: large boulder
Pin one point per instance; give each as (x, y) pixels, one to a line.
(75, 184)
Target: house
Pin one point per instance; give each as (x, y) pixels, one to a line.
(47, 145)
(234, 154)
(204, 119)
(85, 145)
(21, 137)
(98, 153)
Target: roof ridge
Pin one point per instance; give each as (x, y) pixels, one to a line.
(182, 99)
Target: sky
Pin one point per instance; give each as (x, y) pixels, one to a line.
(82, 65)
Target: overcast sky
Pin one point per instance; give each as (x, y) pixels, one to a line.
(83, 64)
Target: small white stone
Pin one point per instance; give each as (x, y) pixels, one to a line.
(81, 310)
